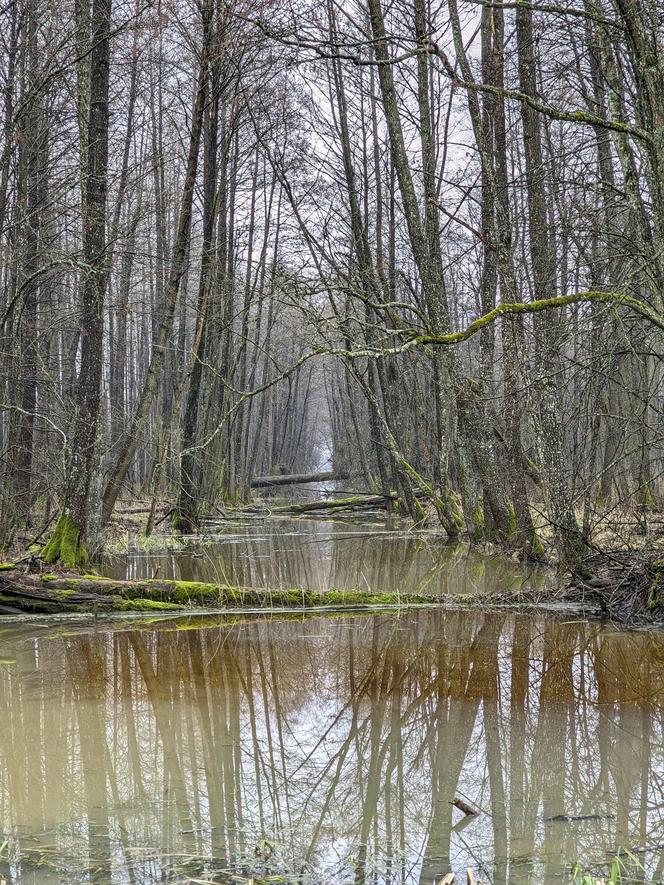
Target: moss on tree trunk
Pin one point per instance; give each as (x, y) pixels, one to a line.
(65, 546)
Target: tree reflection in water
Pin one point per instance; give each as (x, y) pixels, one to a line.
(317, 556)
(330, 750)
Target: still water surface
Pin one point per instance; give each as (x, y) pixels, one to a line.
(318, 555)
(330, 749)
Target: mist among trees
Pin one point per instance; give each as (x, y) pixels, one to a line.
(420, 243)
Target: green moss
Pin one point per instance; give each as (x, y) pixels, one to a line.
(419, 511)
(335, 504)
(143, 605)
(65, 544)
(216, 595)
(361, 597)
(616, 298)
(194, 591)
(511, 519)
(7, 566)
(456, 512)
(655, 589)
(477, 519)
(156, 595)
(537, 547)
(645, 496)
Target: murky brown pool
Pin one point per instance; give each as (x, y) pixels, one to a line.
(317, 555)
(330, 750)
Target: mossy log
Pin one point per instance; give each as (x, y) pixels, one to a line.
(353, 502)
(51, 593)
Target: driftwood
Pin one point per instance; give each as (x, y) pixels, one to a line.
(287, 479)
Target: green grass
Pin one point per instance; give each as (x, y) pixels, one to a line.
(622, 866)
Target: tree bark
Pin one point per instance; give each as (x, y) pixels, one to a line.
(68, 543)
(131, 439)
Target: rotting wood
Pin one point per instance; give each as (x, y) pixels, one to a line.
(353, 502)
(62, 593)
(54, 593)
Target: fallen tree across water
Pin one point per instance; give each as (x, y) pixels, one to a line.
(353, 503)
(621, 585)
(64, 593)
(366, 504)
(287, 479)
(357, 503)
(51, 593)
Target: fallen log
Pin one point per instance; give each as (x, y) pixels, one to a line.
(51, 593)
(320, 508)
(134, 511)
(287, 479)
(354, 502)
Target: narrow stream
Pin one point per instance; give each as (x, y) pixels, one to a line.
(320, 555)
(330, 749)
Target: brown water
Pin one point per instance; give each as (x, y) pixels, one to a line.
(317, 555)
(329, 749)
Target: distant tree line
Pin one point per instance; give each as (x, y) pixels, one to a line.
(237, 237)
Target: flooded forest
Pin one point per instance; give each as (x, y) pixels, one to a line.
(331, 442)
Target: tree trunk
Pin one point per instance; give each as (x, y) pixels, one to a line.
(68, 543)
(132, 437)
(548, 325)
